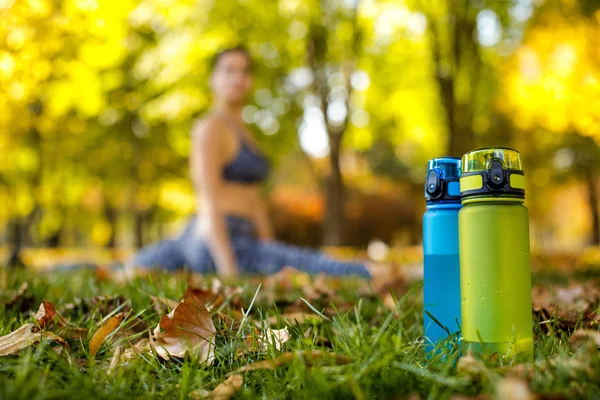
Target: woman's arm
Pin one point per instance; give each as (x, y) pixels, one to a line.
(262, 221)
(207, 159)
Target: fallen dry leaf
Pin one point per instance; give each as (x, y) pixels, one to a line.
(45, 313)
(582, 337)
(309, 356)
(469, 365)
(566, 308)
(23, 337)
(234, 382)
(106, 329)
(260, 342)
(187, 329)
(140, 347)
(389, 302)
(228, 388)
(390, 280)
(114, 361)
(210, 299)
(513, 388)
(321, 288)
(274, 336)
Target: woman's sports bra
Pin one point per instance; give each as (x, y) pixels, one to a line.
(248, 166)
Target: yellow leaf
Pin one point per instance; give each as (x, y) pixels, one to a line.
(105, 330)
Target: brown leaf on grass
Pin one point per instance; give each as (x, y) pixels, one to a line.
(216, 295)
(23, 337)
(187, 329)
(210, 299)
(469, 365)
(321, 288)
(45, 313)
(390, 302)
(228, 388)
(390, 280)
(115, 361)
(513, 388)
(140, 347)
(103, 273)
(585, 337)
(261, 342)
(309, 357)
(566, 308)
(234, 382)
(276, 288)
(106, 329)
(276, 337)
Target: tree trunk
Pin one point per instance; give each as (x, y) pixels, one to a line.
(450, 49)
(335, 217)
(317, 49)
(53, 241)
(594, 207)
(16, 240)
(111, 216)
(139, 229)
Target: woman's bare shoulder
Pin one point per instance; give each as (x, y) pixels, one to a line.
(209, 128)
(208, 124)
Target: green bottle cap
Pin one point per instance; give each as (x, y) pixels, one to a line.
(492, 172)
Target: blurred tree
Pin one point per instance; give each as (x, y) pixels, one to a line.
(460, 66)
(553, 85)
(578, 157)
(333, 46)
(98, 99)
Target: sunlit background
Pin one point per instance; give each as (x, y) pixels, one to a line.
(97, 99)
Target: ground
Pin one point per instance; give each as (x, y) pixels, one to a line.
(287, 336)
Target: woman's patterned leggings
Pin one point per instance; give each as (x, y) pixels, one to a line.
(253, 256)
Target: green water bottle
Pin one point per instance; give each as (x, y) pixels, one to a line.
(495, 270)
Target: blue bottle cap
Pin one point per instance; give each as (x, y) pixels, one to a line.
(442, 180)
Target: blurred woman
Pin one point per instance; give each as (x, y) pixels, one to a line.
(231, 232)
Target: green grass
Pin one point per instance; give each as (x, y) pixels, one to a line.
(383, 349)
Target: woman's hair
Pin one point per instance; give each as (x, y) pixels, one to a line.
(237, 49)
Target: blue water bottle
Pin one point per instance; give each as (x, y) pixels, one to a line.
(441, 282)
